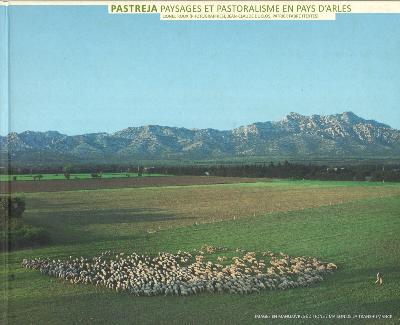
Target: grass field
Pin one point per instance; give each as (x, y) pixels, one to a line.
(354, 225)
(47, 177)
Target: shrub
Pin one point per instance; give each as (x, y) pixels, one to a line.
(13, 231)
(11, 207)
(22, 235)
(28, 234)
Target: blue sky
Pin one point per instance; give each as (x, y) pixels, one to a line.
(77, 70)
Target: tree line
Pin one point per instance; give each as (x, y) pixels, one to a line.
(289, 170)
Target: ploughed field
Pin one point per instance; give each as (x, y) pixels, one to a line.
(82, 183)
(353, 225)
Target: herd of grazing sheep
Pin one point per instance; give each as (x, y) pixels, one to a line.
(186, 273)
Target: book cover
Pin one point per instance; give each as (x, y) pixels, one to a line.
(200, 162)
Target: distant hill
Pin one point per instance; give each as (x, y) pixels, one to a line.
(338, 135)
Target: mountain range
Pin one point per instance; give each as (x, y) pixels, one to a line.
(296, 135)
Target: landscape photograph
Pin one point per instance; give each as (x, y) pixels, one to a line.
(198, 172)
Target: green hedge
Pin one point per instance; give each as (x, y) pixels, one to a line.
(24, 236)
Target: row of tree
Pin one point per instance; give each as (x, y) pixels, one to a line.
(290, 171)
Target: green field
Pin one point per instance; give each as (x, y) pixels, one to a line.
(352, 224)
(30, 177)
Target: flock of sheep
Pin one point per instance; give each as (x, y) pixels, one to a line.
(186, 273)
